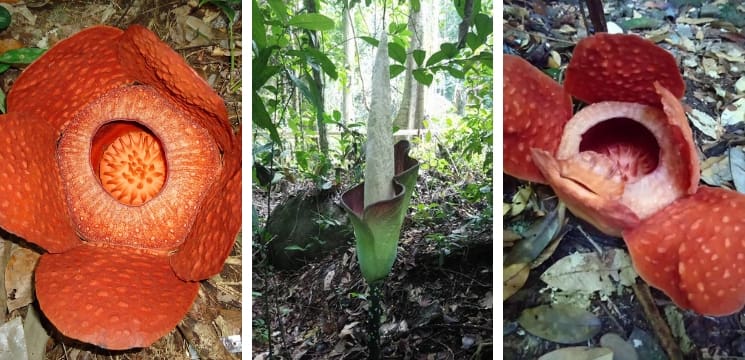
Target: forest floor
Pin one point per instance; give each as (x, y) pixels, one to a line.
(216, 312)
(706, 38)
(437, 301)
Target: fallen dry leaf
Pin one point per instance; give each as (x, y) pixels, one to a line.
(19, 277)
(589, 272)
(515, 276)
(579, 353)
(561, 323)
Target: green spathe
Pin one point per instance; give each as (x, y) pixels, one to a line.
(377, 227)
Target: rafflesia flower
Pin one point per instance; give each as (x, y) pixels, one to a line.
(120, 162)
(627, 164)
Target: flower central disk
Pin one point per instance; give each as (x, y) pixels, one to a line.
(132, 168)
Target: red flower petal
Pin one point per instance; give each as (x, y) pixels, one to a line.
(31, 202)
(535, 111)
(69, 75)
(693, 250)
(603, 210)
(216, 226)
(154, 63)
(681, 139)
(113, 297)
(616, 67)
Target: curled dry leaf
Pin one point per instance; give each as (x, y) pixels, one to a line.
(19, 277)
(737, 167)
(537, 237)
(515, 276)
(715, 171)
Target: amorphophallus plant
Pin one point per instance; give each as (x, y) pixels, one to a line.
(120, 162)
(627, 164)
(378, 206)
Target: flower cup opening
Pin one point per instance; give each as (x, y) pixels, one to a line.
(627, 143)
(129, 161)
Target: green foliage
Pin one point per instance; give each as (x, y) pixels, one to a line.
(260, 331)
(4, 18)
(21, 56)
(13, 57)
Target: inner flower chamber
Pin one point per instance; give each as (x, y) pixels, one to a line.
(129, 162)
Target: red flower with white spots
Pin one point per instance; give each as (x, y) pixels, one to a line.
(627, 164)
(119, 160)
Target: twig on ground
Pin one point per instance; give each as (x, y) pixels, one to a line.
(659, 326)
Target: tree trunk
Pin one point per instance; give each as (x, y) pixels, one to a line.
(323, 144)
(347, 110)
(407, 112)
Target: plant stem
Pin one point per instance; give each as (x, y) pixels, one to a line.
(374, 313)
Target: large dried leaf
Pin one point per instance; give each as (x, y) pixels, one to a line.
(561, 323)
(515, 276)
(734, 113)
(622, 349)
(537, 237)
(589, 272)
(19, 277)
(520, 200)
(579, 353)
(737, 168)
(715, 171)
(12, 340)
(36, 335)
(704, 123)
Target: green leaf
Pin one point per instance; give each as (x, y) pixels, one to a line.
(262, 72)
(310, 92)
(484, 25)
(370, 40)
(21, 56)
(262, 119)
(4, 68)
(397, 52)
(419, 56)
(2, 101)
(396, 69)
(316, 57)
(436, 58)
(473, 41)
(4, 19)
(396, 28)
(312, 22)
(423, 76)
(258, 31)
(456, 73)
(280, 9)
(449, 49)
(416, 5)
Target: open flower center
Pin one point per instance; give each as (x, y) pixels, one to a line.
(131, 164)
(630, 146)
